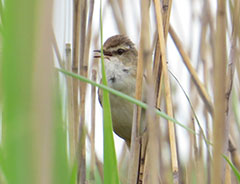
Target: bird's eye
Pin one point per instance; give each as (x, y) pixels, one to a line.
(125, 70)
(120, 51)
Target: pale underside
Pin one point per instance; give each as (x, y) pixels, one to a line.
(121, 78)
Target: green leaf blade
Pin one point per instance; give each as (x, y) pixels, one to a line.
(110, 160)
(235, 170)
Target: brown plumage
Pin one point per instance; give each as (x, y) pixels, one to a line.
(116, 41)
(120, 58)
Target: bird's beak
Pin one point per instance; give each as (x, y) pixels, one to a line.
(97, 53)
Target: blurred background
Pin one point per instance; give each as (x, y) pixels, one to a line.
(51, 124)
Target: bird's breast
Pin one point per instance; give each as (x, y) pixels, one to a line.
(122, 113)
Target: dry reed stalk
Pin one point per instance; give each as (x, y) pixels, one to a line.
(208, 127)
(70, 110)
(191, 164)
(42, 100)
(83, 24)
(194, 148)
(234, 154)
(160, 156)
(89, 32)
(166, 11)
(164, 163)
(97, 161)
(233, 52)
(231, 69)
(198, 163)
(201, 89)
(195, 103)
(121, 7)
(209, 137)
(151, 171)
(203, 57)
(118, 17)
(157, 70)
(92, 135)
(174, 159)
(56, 50)
(75, 68)
(137, 150)
(210, 21)
(81, 149)
(189, 171)
(122, 156)
(150, 167)
(122, 166)
(95, 67)
(238, 63)
(81, 144)
(229, 82)
(220, 133)
(228, 178)
(201, 177)
(191, 30)
(100, 167)
(145, 53)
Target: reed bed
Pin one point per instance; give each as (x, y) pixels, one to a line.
(50, 114)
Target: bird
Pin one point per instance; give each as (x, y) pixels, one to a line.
(120, 60)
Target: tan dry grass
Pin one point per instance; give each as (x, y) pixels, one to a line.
(209, 51)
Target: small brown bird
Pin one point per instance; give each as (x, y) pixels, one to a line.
(120, 58)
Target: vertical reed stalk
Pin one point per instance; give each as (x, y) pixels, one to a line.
(138, 143)
(117, 16)
(70, 109)
(173, 148)
(157, 70)
(81, 144)
(75, 68)
(220, 133)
